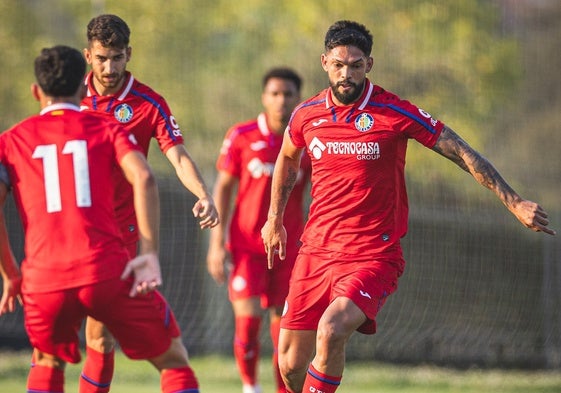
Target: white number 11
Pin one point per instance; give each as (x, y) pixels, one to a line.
(48, 154)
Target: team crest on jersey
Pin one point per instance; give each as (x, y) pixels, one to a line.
(123, 113)
(364, 122)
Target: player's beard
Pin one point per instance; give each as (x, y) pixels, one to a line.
(350, 96)
(118, 78)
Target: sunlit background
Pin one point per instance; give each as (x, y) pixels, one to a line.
(479, 288)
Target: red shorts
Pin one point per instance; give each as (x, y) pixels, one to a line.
(251, 277)
(317, 281)
(144, 325)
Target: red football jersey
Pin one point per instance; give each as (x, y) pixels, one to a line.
(359, 201)
(145, 114)
(249, 153)
(60, 166)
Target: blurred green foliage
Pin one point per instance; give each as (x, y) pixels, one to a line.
(457, 59)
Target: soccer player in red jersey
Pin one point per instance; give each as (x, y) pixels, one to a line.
(246, 164)
(115, 94)
(59, 165)
(356, 135)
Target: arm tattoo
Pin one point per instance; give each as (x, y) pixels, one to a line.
(288, 185)
(453, 147)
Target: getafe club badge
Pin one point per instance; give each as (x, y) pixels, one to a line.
(123, 113)
(364, 122)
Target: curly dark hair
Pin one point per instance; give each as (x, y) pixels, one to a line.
(60, 70)
(110, 30)
(346, 32)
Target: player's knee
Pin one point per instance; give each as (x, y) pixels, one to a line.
(175, 357)
(293, 371)
(104, 343)
(293, 377)
(331, 334)
(46, 360)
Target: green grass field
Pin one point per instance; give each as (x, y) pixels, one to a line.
(217, 374)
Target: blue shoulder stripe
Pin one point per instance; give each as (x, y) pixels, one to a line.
(160, 110)
(405, 113)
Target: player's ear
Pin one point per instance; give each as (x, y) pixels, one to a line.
(129, 53)
(87, 55)
(35, 91)
(369, 64)
(324, 61)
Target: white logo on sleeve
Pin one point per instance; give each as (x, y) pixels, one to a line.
(366, 294)
(317, 147)
(320, 121)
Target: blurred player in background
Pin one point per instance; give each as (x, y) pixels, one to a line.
(246, 164)
(356, 134)
(59, 165)
(115, 94)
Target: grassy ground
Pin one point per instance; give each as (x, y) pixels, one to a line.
(218, 374)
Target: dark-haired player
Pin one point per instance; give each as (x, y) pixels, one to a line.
(356, 135)
(59, 165)
(115, 94)
(245, 168)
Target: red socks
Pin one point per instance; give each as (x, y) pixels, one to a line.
(45, 379)
(246, 347)
(179, 380)
(97, 372)
(318, 382)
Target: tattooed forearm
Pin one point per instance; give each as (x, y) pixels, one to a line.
(450, 145)
(286, 188)
(453, 147)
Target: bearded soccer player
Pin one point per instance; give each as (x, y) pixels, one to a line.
(356, 135)
(115, 94)
(245, 167)
(59, 165)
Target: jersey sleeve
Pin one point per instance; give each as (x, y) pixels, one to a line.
(167, 132)
(417, 123)
(229, 159)
(294, 129)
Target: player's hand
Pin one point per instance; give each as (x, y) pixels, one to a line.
(532, 216)
(146, 271)
(206, 212)
(274, 239)
(11, 293)
(216, 260)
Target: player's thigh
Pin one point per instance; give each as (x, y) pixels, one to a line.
(174, 357)
(249, 306)
(296, 348)
(143, 325)
(52, 322)
(340, 319)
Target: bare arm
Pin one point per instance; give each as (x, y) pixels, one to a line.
(191, 178)
(217, 254)
(284, 178)
(146, 266)
(11, 276)
(453, 147)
